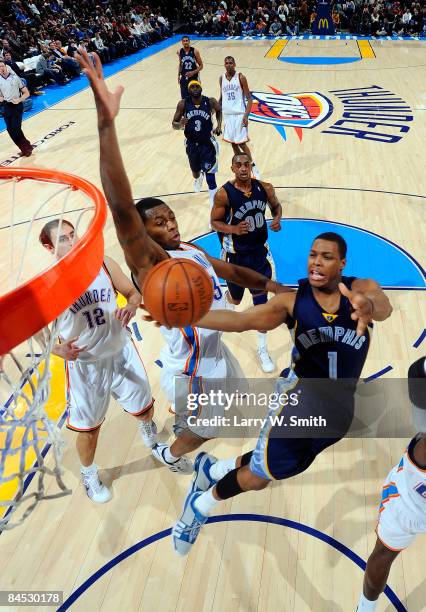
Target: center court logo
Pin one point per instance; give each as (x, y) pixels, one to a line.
(369, 113)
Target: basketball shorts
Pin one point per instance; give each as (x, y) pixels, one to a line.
(203, 155)
(397, 526)
(233, 130)
(91, 384)
(184, 93)
(291, 439)
(260, 261)
(226, 377)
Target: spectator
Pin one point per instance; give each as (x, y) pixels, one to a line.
(275, 28)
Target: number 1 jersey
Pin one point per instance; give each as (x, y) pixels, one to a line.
(91, 320)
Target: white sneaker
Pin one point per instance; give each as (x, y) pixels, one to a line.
(266, 362)
(148, 431)
(183, 465)
(198, 183)
(255, 172)
(95, 490)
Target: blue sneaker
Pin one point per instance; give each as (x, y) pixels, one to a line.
(202, 479)
(186, 530)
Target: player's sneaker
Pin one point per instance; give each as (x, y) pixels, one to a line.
(148, 431)
(95, 490)
(266, 362)
(202, 479)
(186, 530)
(255, 172)
(183, 465)
(198, 183)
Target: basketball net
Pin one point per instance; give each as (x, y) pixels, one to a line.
(31, 443)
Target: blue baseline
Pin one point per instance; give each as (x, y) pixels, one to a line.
(259, 518)
(319, 60)
(370, 255)
(58, 93)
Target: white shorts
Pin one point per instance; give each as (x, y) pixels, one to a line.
(397, 527)
(178, 387)
(233, 131)
(91, 384)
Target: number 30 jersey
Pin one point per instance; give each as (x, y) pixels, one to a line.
(91, 320)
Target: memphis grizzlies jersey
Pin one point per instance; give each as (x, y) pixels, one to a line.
(326, 344)
(250, 208)
(200, 125)
(407, 481)
(91, 320)
(187, 60)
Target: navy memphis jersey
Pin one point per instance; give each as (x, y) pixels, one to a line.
(250, 208)
(326, 344)
(200, 126)
(187, 60)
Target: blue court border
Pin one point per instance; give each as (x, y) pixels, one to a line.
(259, 518)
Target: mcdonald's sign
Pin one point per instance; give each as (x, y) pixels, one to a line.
(323, 23)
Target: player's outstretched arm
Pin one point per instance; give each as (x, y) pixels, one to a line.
(261, 318)
(139, 250)
(368, 301)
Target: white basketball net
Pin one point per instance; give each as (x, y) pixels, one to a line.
(30, 441)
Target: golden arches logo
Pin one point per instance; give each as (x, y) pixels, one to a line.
(323, 23)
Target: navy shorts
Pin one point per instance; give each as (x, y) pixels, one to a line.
(202, 155)
(184, 87)
(260, 261)
(284, 449)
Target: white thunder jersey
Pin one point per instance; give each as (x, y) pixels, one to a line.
(91, 320)
(191, 350)
(233, 101)
(408, 482)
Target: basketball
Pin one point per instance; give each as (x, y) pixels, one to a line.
(177, 292)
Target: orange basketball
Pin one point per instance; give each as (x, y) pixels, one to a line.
(177, 292)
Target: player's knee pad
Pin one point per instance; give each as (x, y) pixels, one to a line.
(211, 180)
(228, 486)
(260, 298)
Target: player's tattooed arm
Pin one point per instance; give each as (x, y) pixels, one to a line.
(261, 318)
(215, 106)
(368, 302)
(219, 213)
(179, 121)
(274, 205)
(248, 97)
(140, 251)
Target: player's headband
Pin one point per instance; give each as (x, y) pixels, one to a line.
(417, 392)
(194, 82)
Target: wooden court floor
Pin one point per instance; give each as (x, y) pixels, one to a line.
(320, 173)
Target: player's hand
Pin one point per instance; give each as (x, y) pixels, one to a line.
(241, 228)
(275, 224)
(244, 122)
(190, 74)
(125, 314)
(150, 319)
(68, 350)
(183, 122)
(107, 102)
(217, 131)
(363, 308)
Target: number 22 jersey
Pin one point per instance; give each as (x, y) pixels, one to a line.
(91, 320)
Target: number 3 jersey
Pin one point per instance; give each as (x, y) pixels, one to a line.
(91, 320)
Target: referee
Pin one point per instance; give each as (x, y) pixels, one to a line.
(12, 93)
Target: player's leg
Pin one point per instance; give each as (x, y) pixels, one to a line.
(195, 162)
(263, 263)
(235, 293)
(245, 149)
(210, 157)
(130, 387)
(86, 412)
(376, 575)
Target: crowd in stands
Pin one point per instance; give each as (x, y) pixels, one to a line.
(49, 31)
(292, 17)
